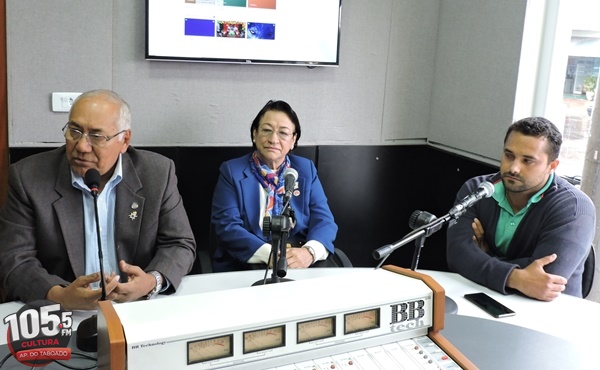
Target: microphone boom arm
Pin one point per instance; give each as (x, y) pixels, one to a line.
(484, 190)
(422, 232)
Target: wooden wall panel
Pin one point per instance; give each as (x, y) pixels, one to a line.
(3, 107)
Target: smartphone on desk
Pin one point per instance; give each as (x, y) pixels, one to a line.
(489, 305)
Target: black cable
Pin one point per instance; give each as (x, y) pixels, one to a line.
(5, 359)
(268, 268)
(94, 366)
(85, 355)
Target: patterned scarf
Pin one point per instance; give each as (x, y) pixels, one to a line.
(272, 181)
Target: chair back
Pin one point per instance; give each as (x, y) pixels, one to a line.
(589, 268)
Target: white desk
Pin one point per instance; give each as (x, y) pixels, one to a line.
(569, 318)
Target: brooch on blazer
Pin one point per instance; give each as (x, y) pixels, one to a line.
(133, 214)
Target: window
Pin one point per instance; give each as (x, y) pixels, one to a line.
(575, 68)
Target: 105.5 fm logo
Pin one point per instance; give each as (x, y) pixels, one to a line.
(39, 333)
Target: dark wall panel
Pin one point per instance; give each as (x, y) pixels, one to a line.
(372, 192)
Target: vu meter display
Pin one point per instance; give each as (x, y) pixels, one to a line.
(210, 349)
(316, 329)
(360, 321)
(263, 339)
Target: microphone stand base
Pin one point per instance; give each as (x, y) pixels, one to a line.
(271, 281)
(450, 306)
(87, 334)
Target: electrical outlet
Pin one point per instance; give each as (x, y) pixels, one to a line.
(62, 101)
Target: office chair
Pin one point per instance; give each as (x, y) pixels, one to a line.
(341, 258)
(589, 268)
(204, 252)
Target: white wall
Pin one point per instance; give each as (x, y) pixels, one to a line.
(437, 70)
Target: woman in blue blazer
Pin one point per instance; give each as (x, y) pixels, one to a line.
(251, 188)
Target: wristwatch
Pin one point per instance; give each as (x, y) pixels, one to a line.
(159, 279)
(312, 253)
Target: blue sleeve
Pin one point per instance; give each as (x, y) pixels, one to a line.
(230, 217)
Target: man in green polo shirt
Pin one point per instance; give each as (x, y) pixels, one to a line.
(534, 233)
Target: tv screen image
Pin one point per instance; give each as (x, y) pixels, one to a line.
(263, 31)
(235, 29)
(286, 32)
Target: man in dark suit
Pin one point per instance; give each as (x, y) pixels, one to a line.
(49, 247)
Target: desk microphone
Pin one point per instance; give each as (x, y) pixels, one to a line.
(290, 176)
(87, 331)
(278, 229)
(485, 190)
(92, 180)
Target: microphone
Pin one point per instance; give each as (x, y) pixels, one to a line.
(87, 331)
(92, 180)
(485, 190)
(290, 177)
(423, 224)
(420, 218)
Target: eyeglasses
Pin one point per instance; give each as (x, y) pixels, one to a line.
(96, 140)
(283, 135)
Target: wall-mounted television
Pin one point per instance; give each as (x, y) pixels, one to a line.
(285, 32)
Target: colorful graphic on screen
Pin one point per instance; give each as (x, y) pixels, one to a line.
(263, 31)
(231, 29)
(199, 27)
(264, 4)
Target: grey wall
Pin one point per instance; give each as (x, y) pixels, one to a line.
(410, 71)
(476, 69)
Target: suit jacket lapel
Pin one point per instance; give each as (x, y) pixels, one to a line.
(128, 211)
(69, 207)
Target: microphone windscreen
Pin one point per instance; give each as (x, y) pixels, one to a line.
(290, 171)
(92, 178)
(488, 187)
(420, 218)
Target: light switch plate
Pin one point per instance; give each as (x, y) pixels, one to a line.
(62, 101)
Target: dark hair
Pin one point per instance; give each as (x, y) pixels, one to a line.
(539, 127)
(279, 106)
